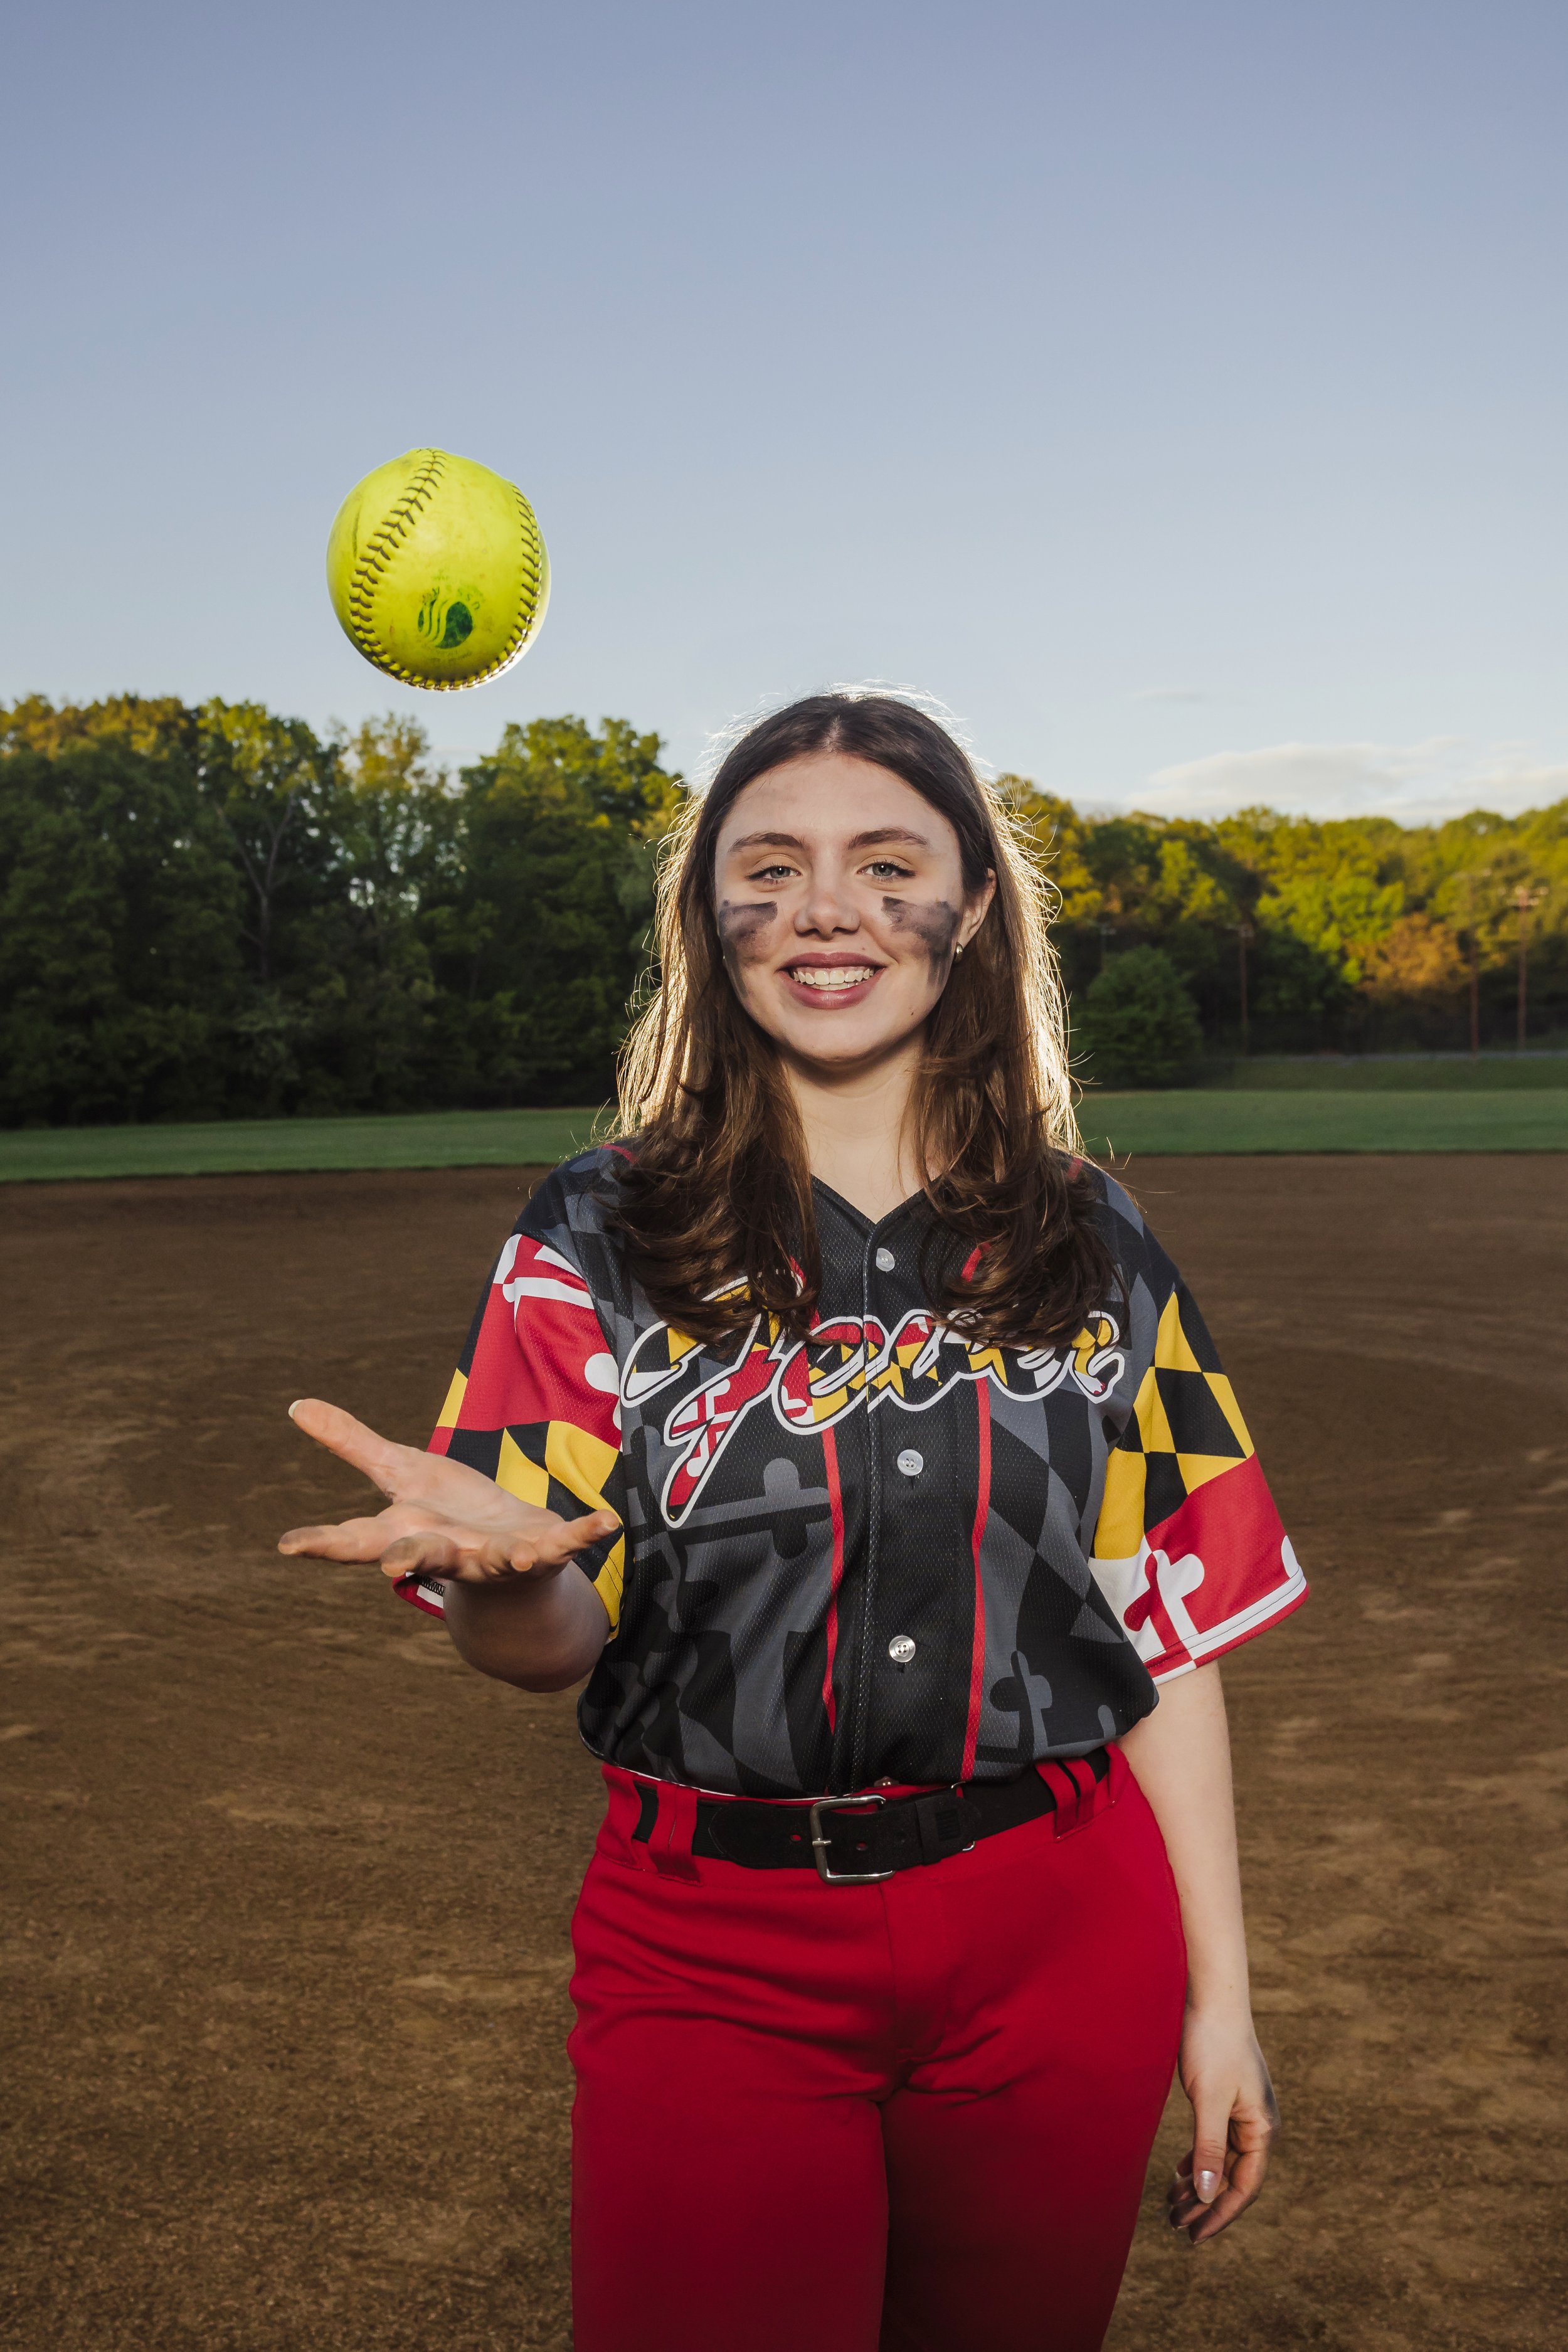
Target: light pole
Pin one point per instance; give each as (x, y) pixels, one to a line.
(1527, 898)
(1244, 939)
(1473, 875)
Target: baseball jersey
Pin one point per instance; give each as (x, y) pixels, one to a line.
(886, 1549)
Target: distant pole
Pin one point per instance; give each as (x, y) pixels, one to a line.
(1471, 878)
(1527, 898)
(1107, 932)
(1243, 937)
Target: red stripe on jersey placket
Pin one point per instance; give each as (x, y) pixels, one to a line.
(836, 1505)
(981, 1510)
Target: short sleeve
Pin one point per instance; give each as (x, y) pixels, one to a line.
(534, 1404)
(1188, 1548)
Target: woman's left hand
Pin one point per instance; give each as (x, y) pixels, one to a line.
(1235, 2119)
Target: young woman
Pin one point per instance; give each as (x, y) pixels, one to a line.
(867, 1454)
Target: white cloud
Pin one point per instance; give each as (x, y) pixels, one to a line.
(1173, 694)
(1417, 782)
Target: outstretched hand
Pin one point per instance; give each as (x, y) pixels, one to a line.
(442, 1518)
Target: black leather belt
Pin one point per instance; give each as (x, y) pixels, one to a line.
(858, 1841)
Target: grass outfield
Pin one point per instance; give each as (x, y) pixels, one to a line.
(1489, 1073)
(1208, 1120)
(1212, 1120)
(442, 1138)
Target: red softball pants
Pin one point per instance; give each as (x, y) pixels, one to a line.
(914, 2116)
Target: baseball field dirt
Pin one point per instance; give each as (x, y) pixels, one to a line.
(286, 1889)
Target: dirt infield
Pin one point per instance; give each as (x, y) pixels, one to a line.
(288, 1889)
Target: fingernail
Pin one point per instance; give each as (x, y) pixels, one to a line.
(1207, 2183)
(295, 1407)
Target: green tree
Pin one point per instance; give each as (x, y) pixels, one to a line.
(278, 791)
(1138, 1025)
(120, 967)
(1126, 882)
(158, 726)
(366, 1007)
(550, 930)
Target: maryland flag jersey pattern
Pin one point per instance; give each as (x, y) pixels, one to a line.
(884, 1549)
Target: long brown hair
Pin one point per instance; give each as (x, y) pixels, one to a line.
(716, 1204)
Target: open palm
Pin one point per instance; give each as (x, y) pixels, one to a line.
(441, 1517)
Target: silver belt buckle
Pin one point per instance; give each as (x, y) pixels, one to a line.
(819, 1843)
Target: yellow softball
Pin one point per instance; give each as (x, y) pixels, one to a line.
(438, 570)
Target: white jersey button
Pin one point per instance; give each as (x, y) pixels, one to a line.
(900, 1649)
(911, 1463)
(885, 1261)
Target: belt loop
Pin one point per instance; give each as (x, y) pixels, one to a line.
(624, 1817)
(1063, 1783)
(669, 1846)
(1080, 1798)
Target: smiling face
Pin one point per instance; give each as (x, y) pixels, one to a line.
(840, 902)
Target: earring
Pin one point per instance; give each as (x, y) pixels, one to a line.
(957, 951)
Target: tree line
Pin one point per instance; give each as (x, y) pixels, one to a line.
(1357, 934)
(217, 912)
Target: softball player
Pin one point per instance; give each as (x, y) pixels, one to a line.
(868, 1456)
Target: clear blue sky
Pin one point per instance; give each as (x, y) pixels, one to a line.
(1177, 391)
